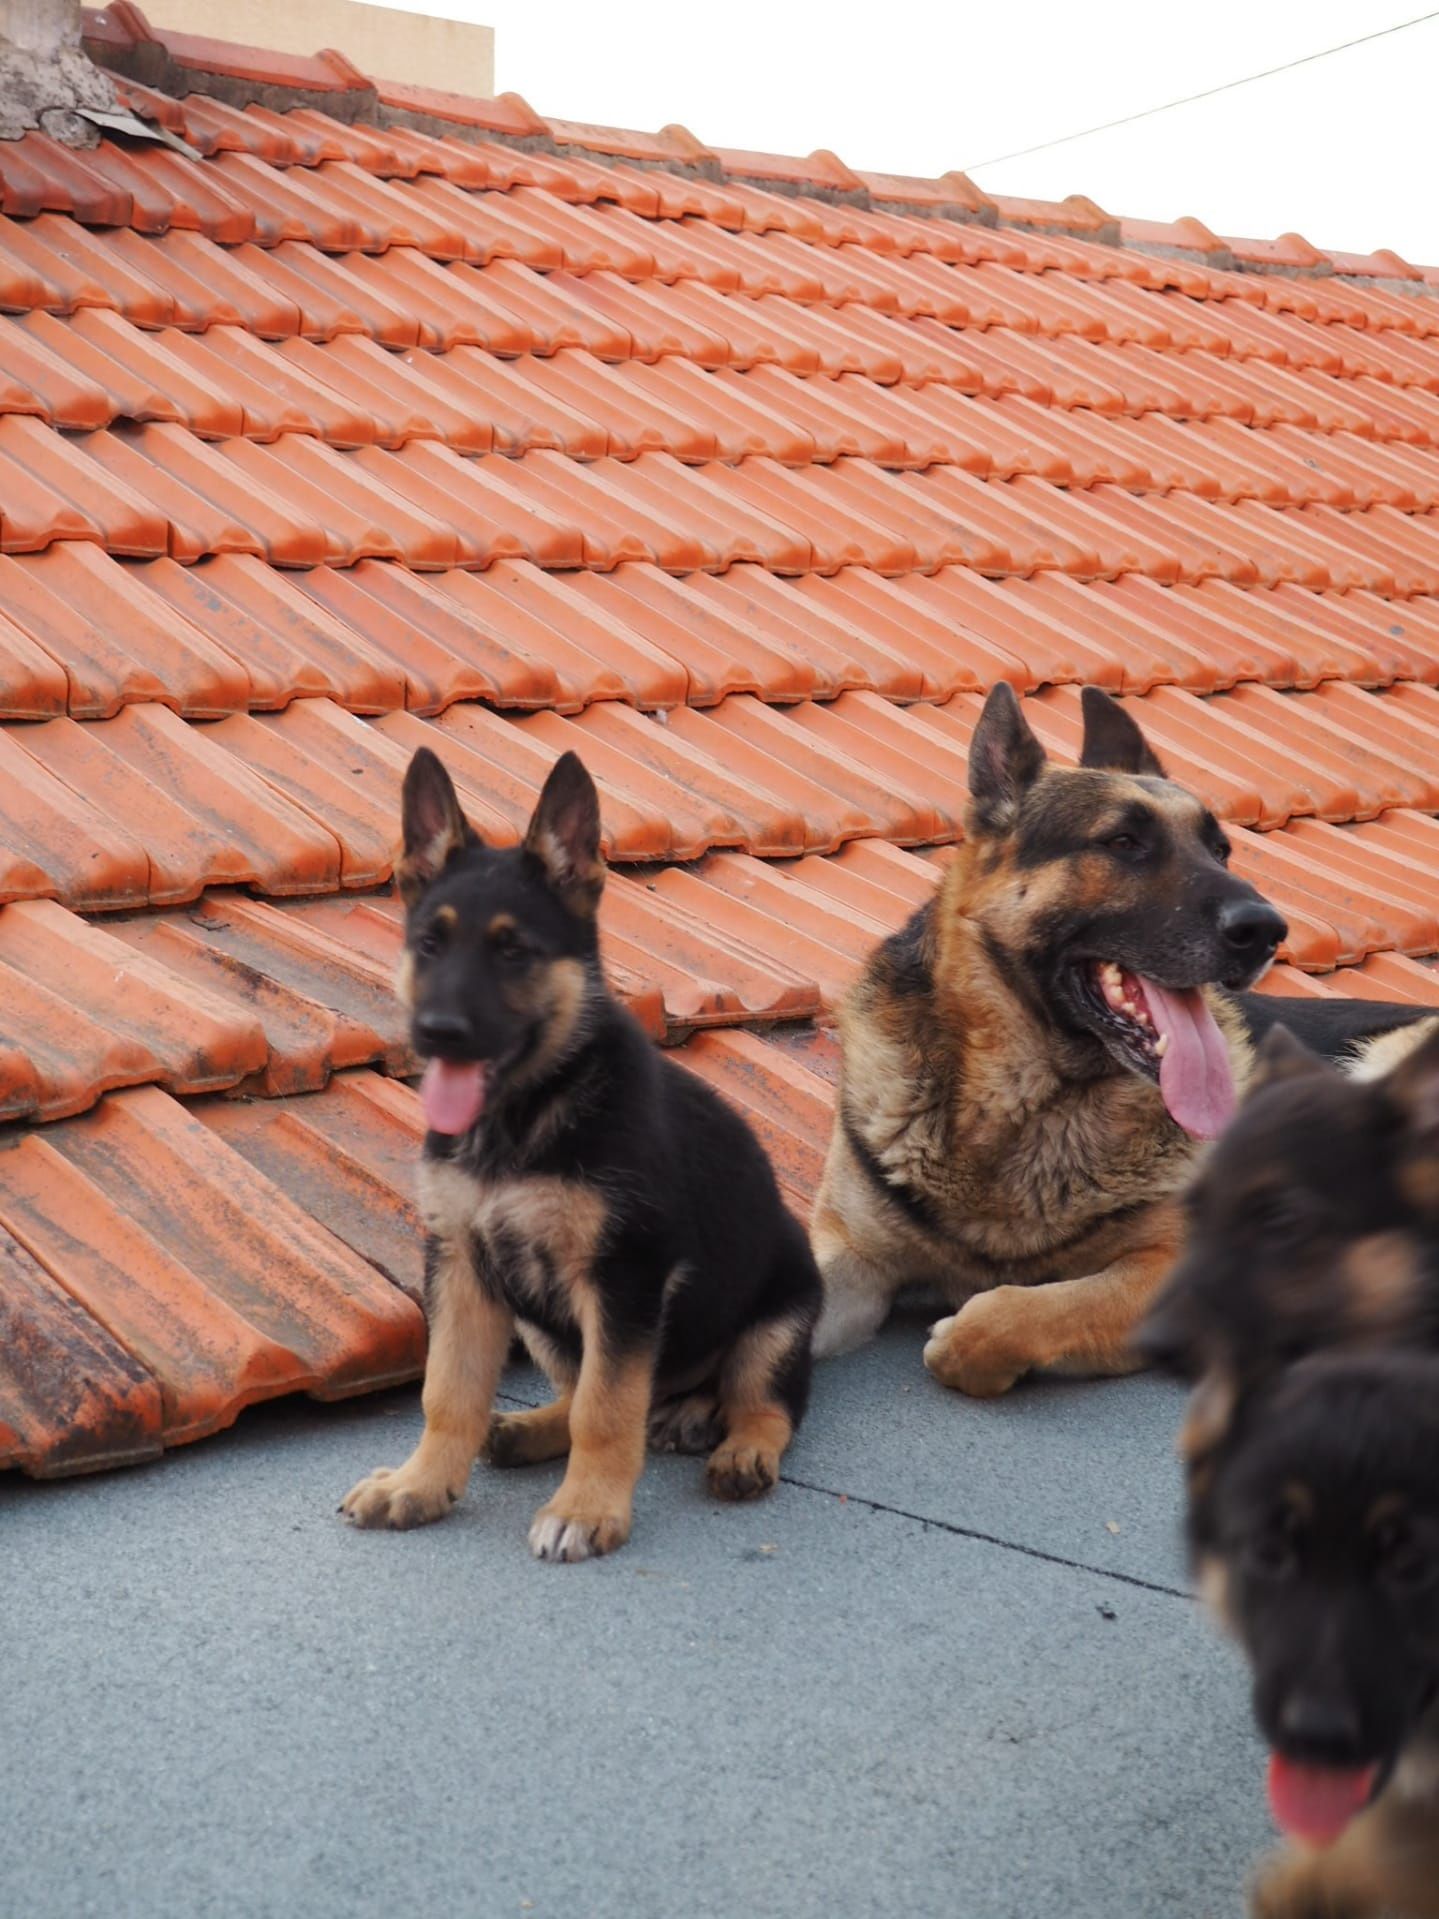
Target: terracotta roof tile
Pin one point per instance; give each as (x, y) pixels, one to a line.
(503, 436)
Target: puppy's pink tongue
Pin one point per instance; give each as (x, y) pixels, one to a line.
(1195, 1079)
(1316, 1803)
(452, 1096)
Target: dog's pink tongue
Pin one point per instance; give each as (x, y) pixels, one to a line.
(1316, 1803)
(453, 1096)
(1195, 1079)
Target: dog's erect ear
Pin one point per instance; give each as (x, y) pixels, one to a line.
(1282, 1057)
(564, 835)
(1413, 1086)
(434, 826)
(1113, 742)
(1004, 760)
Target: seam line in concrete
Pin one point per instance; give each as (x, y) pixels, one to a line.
(993, 1539)
(962, 1532)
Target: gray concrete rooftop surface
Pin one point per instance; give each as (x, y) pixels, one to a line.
(948, 1668)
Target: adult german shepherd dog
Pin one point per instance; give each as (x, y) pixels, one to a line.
(1315, 1537)
(1029, 1063)
(581, 1188)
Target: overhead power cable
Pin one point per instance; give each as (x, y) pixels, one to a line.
(1228, 86)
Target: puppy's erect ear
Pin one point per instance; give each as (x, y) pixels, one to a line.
(434, 826)
(1413, 1086)
(1005, 759)
(1113, 742)
(564, 835)
(1282, 1057)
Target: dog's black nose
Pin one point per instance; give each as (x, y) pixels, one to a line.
(443, 1033)
(1252, 928)
(1320, 1728)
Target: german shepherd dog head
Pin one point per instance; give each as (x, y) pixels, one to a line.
(1316, 1538)
(501, 962)
(1104, 894)
(1314, 1223)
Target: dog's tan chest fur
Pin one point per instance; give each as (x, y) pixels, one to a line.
(555, 1225)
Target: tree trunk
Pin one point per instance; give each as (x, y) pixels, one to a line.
(45, 74)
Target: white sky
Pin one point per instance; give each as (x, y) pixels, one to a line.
(1342, 151)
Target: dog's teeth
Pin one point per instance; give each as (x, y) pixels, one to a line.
(1161, 1046)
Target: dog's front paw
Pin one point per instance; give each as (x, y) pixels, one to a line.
(570, 1533)
(395, 1496)
(687, 1425)
(743, 1471)
(980, 1350)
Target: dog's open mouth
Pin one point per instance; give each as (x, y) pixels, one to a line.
(1168, 1034)
(452, 1094)
(1314, 1804)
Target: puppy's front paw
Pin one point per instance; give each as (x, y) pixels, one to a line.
(741, 1472)
(980, 1350)
(571, 1533)
(688, 1425)
(397, 1497)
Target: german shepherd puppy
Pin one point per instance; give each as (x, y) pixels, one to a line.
(1030, 1061)
(1313, 1224)
(1316, 1540)
(580, 1188)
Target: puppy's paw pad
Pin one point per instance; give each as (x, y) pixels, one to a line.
(388, 1499)
(569, 1538)
(742, 1472)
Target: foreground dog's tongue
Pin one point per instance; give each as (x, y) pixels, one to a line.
(1316, 1803)
(1195, 1079)
(452, 1096)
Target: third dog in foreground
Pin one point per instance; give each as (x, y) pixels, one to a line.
(1315, 1536)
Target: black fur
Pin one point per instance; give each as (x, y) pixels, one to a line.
(1330, 1027)
(1323, 1511)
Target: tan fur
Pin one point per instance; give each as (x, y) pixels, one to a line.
(415, 869)
(757, 1427)
(469, 1337)
(1384, 1866)
(1053, 1196)
(405, 979)
(558, 994)
(1213, 1584)
(1385, 1051)
(530, 1438)
(591, 1513)
(1383, 1275)
(1208, 1415)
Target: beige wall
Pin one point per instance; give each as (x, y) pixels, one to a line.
(382, 41)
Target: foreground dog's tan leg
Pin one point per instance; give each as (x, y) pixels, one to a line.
(758, 1424)
(1069, 1326)
(469, 1337)
(591, 1512)
(529, 1438)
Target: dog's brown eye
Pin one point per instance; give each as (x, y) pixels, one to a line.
(1271, 1555)
(509, 951)
(1124, 843)
(428, 944)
